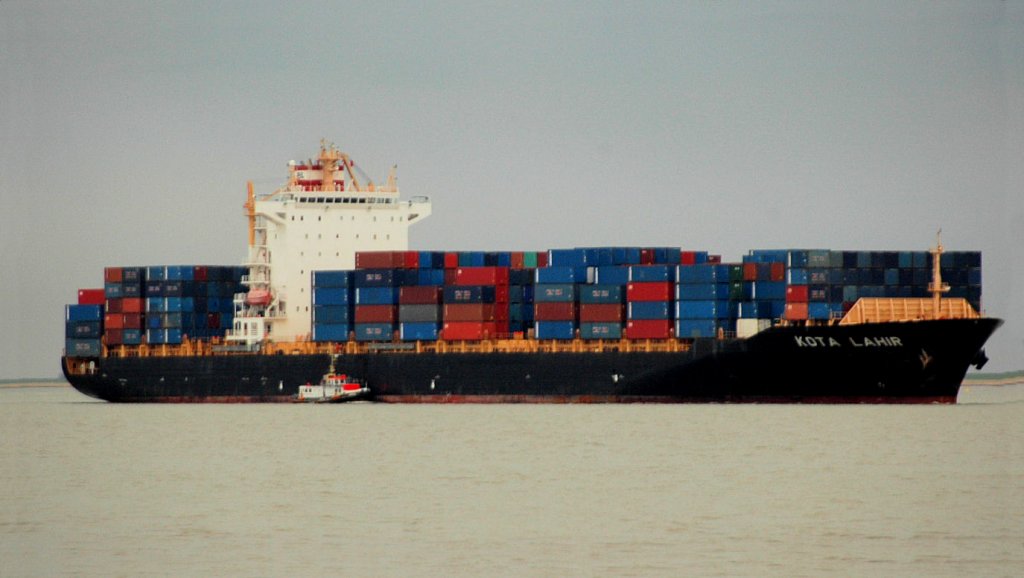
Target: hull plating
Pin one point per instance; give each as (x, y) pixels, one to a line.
(918, 362)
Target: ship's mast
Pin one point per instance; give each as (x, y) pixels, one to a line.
(937, 287)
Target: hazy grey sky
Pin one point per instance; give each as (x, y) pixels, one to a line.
(129, 129)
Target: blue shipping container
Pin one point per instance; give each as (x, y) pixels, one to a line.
(755, 310)
(374, 331)
(649, 310)
(332, 278)
(156, 273)
(418, 331)
(705, 309)
(702, 292)
(83, 313)
(554, 293)
(163, 336)
(83, 329)
(554, 329)
(324, 314)
(378, 278)
(701, 273)
(430, 277)
(552, 275)
(819, 311)
(331, 331)
(610, 330)
(764, 290)
(567, 258)
(469, 294)
(83, 347)
(602, 294)
(180, 273)
(687, 328)
(613, 275)
(376, 296)
(472, 259)
(332, 296)
(652, 273)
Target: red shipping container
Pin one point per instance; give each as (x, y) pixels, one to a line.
(714, 259)
(518, 260)
(797, 294)
(600, 312)
(554, 311)
(380, 259)
(132, 305)
(132, 321)
(376, 314)
(778, 271)
(200, 273)
(750, 272)
(501, 294)
(473, 330)
(542, 259)
(412, 260)
(91, 296)
(451, 260)
(115, 306)
(646, 256)
(796, 311)
(649, 329)
(113, 321)
(113, 337)
(688, 258)
(112, 275)
(476, 312)
(656, 291)
(481, 276)
(419, 295)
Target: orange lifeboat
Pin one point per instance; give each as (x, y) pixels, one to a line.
(258, 297)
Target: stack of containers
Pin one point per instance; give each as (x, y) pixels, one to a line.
(476, 302)
(962, 270)
(555, 293)
(333, 299)
(520, 293)
(190, 301)
(761, 272)
(702, 300)
(602, 311)
(83, 324)
(822, 284)
(123, 320)
(419, 311)
(376, 302)
(768, 288)
(807, 290)
(610, 292)
(649, 297)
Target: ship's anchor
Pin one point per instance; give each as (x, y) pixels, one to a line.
(925, 359)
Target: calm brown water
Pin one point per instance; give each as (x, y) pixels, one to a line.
(96, 489)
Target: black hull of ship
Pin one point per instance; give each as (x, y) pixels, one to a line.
(916, 362)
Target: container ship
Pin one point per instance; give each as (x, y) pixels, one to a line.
(330, 287)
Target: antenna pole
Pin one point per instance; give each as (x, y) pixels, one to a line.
(937, 287)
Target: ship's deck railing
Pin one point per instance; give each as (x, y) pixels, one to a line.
(198, 348)
(881, 310)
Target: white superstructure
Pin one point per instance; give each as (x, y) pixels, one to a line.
(318, 221)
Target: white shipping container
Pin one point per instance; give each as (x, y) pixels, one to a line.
(750, 327)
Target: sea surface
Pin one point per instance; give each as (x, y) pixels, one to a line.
(96, 489)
